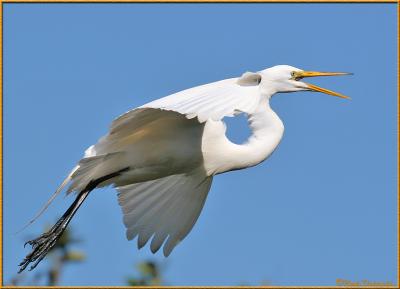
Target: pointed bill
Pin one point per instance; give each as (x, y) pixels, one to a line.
(302, 74)
(326, 91)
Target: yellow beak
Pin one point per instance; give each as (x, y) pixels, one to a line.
(301, 74)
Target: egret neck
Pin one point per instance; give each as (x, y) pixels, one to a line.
(221, 155)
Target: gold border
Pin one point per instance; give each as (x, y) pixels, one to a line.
(194, 1)
(1, 144)
(202, 287)
(199, 1)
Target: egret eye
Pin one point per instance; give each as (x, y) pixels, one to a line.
(295, 75)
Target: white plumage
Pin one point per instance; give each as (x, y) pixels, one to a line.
(162, 156)
(211, 101)
(166, 207)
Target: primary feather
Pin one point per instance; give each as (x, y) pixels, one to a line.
(163, 208)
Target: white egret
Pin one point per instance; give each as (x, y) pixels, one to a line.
(162, 156)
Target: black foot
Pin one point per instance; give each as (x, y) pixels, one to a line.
(42, 245)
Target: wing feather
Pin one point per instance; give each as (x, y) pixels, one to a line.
(210, 101)
(165, 209)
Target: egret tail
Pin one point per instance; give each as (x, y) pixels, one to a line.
(44, 243)
(50, 200)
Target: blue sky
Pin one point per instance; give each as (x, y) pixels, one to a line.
(322, 207)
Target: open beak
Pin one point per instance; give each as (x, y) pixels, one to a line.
(302, 74)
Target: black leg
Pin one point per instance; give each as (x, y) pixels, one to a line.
(43, 244)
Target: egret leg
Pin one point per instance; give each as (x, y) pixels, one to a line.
(44, 243)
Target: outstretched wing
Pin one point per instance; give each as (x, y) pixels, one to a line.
(153, 143)
(165, 209)
(210, 101)
(135, 129)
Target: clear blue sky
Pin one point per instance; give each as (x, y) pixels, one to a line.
(322, 207)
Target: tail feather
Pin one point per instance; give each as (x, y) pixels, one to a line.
(50, 200)
(87, 169)
(94, 167)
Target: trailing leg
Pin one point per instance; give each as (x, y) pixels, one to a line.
(43, 244)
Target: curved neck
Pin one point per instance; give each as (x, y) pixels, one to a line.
(267, 131)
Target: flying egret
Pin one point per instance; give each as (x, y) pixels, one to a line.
(162, 156)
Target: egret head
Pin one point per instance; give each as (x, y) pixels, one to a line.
(285, 78)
